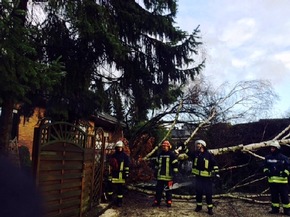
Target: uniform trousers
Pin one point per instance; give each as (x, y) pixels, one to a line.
(204, 187)
(159, 190)
(118, 189)
(278, 190)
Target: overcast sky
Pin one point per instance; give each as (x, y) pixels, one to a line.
(243, 40)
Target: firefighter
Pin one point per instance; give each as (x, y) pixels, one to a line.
(166, 169)
(118, 172)
(277, 169)
(204, 168)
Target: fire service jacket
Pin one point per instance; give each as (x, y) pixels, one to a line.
(203, 164)
(166, 166)
(119, 167)
(277, 168)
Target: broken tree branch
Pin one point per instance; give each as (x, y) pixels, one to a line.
(282, 132)
(213, 113)
(246, 148)
(168, 132)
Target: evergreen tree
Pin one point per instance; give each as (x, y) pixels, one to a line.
(139, 44)
(21, 72)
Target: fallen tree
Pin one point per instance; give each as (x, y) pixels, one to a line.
(282, 137)
(212, 108)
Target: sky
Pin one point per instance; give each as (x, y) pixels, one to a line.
(243, 40)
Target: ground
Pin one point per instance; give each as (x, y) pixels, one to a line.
(138, 204)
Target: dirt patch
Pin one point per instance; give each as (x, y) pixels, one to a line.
(138, 204)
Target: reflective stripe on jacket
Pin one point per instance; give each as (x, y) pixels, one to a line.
(167, 166)
(277, 168)
(278, 179)
(118, 175)
(204, 164)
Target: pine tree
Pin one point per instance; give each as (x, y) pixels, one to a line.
(139, 45)
(21, 72)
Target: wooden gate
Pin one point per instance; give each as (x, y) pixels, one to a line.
(64, 167)
(99, 166)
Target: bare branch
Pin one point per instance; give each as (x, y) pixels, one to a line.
(282, 132)
(247, 183)
(168, 132)
(255, 155)
(245, 101)
(200, 126)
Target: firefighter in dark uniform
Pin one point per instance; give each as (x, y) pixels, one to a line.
(118, 172)
(166, 168)
(204, 168)
(277, 169)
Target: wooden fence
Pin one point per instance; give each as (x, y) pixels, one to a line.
(68, 168)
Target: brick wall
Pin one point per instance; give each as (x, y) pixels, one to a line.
(26, 128)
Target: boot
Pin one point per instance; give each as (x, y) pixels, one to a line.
(198, 208)
(210, 211)
(156, 203)
(274, 210)
(168, 203)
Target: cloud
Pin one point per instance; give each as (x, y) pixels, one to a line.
(238, 63)
(243, 40)
(237, 33)
(284, 57)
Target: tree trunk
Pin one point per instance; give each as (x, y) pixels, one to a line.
(246, 148)
(6, 120)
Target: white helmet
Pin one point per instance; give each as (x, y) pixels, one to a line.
(275, 144)
(119, 144)
(203, 143)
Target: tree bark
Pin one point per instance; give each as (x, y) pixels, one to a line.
(246, 148)
(6, 120)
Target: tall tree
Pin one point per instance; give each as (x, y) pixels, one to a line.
(244, 101)
(139, 44)
(21, 71)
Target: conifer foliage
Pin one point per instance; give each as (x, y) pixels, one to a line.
(120, 56)
(22, 71)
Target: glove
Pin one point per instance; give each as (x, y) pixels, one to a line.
(182, 156)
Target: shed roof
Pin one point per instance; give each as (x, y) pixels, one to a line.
(106, 120)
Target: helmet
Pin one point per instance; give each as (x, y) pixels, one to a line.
(166, 143)
(275, 144)
(119, 144)
(203, 143)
